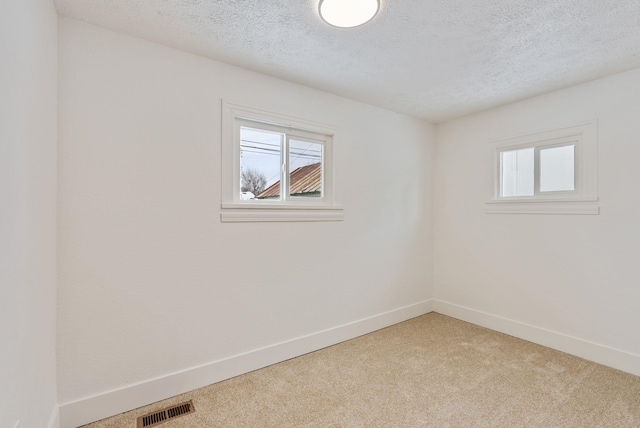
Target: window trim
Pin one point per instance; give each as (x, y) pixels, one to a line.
(233, 209)
(582, 200)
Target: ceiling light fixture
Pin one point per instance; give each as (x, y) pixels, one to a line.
(348, 13)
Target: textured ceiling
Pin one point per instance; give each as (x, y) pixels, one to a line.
(432, 59)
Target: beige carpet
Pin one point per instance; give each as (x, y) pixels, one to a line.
(431, 371)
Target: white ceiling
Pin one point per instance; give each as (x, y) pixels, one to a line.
(432, 59)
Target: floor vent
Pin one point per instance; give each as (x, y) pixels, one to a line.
(163, 415)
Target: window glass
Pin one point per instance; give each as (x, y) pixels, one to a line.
(305, 169)
(260, 160)
(517, 172)
(557, 169)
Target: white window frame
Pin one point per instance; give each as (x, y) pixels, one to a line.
(234, 209)
(582, 200)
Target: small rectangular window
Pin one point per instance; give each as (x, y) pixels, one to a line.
(534, 170)
(264, 158)
(553, 172)
(276, 168)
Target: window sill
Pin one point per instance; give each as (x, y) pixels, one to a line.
(237, 213)
(584, 207)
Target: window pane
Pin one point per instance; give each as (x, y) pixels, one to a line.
(557, 169)
(305, 169)
(516, 172)
(260, 160)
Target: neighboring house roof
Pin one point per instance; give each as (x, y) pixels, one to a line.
(306, 179)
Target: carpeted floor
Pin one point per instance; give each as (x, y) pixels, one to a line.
(431, 371)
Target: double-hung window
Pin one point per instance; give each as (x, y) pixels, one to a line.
(276, 168)
(553, 172)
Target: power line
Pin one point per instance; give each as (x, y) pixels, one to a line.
(312, 157)
(308, 149)
(273, 152)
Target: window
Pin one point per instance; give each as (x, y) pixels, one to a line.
(553, 172)
(556, 166)
(276, 168)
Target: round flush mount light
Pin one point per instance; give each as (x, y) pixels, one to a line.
(348, 13)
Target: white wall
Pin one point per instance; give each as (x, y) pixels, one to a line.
(28, 72)
(150, 281)
(569, 276)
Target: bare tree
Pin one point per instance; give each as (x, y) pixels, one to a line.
(253, 181)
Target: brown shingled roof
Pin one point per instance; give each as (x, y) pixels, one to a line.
(306, 179)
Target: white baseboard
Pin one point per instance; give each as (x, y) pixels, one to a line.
(54, 420)
(90, 409)
(591, 351)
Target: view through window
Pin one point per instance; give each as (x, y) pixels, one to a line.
(276, 166)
